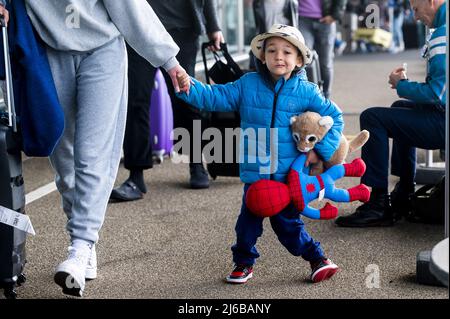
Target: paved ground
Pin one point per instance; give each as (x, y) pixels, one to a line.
(175, 243)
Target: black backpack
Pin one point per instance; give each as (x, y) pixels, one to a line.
(428, 204)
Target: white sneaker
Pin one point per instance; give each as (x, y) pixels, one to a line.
(70, 274)
(91, 269)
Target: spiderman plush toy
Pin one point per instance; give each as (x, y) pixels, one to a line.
(267, 198)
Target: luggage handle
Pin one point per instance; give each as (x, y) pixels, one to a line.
(12, 120)
(227, 56)
(205, 45)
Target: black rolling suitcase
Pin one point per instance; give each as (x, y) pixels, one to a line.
(313, 71)
(12, 192)
(221, 73)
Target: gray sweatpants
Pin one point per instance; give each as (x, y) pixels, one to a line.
(92, 89)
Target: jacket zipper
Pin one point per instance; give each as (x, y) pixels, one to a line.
(272, 123)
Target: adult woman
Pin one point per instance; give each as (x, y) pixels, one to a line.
(85, 42)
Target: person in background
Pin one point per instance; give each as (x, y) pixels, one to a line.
(317, 22)
(418, 120)
(186, 21)
(399, 7)
(270, 12)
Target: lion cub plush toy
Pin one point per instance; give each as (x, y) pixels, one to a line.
(310, 127)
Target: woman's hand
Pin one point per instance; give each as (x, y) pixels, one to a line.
(176, 72)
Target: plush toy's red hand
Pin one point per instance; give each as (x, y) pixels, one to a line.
(267, 198)
(328, 212)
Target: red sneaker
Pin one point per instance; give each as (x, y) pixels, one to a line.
(323, 270)
(240, 274)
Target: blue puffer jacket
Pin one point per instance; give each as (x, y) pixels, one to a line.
(262, 106)
(433, 90)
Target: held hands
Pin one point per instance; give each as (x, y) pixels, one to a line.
(184, 82)
(178, 72)
(395, 76)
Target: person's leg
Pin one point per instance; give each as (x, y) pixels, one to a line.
(185, 115)
(398, 24)
(101, 117)
(292, 234)
(137, 144)
(325, 35)
(98, 119)
(248, 229)
(403, 156)
(395, 41)
(63, 71)
(418, 126)
(305, 25)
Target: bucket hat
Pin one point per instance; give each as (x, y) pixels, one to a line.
(288, 33)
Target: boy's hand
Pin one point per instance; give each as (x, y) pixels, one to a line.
(184, 82)
(174, 73)
(312, 158)
(4, 13)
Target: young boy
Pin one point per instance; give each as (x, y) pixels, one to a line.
(266, 100)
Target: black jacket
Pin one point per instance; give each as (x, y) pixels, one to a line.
(205, 16)
(290, 12)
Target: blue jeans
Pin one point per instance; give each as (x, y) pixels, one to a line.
(287, 225)
(321, 37)
(397, 40)
(410, 125)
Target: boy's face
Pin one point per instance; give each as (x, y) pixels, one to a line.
(281, 57)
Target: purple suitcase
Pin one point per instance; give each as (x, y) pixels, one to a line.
(161, 119)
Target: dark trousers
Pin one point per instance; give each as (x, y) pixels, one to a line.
(287, 225)
(184, 114)
(141, 74)
(137, 146)
(410, 125)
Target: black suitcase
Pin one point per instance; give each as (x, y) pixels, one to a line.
(313, 70)
(221, 73)
(12, 191)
